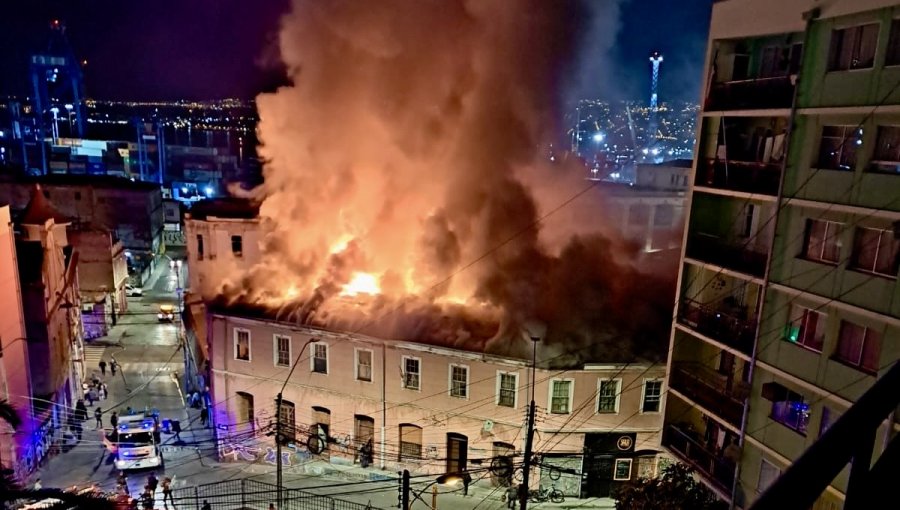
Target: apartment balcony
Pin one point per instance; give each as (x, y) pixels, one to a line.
(746, 176)
(710, 389)
(719, 323)
(731, 255)
(753, 94)
(688, 446)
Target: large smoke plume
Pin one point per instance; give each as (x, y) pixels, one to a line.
(411, 146)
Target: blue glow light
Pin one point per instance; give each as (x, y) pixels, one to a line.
(208, 190)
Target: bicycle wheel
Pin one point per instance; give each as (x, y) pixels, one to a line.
(556, 496)
(315, 445)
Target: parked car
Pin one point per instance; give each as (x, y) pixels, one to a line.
(131, 290)
(166, 313)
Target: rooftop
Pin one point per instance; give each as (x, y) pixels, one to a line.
(69, 180)
(230, 207)
(39, 209)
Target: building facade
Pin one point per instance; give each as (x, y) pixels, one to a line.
(223, 238)
(102, 275)
(425, 408)
(789, 304)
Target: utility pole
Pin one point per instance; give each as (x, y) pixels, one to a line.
(278, 429)
(529, 435)
(403, 497)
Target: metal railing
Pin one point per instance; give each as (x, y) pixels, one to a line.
(746, 176)
(731, 255)
(255, 495)
(752, 94)
(714, 467)
(718, 324)
(851, 439)
(709, 389)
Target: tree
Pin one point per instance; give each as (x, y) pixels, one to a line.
(674, 489)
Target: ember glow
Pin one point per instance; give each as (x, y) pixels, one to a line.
(405, 162)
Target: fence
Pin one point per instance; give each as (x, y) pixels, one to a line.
(247, 494)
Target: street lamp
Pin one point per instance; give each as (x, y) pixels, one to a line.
(536, 331)
(278, 439)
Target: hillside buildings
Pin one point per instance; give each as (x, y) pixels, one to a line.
(789, 304)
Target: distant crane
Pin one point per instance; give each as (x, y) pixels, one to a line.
(656, 59)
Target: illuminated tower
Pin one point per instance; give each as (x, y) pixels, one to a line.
(655, 59)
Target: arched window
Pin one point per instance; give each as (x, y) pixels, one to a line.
(410, 442)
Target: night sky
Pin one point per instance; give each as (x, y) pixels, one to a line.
(208, 49)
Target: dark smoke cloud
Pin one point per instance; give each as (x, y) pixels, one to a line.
(407, 148)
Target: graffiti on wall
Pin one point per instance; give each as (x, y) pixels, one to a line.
(173, 238)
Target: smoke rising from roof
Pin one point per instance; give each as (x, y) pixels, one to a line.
(408, 147)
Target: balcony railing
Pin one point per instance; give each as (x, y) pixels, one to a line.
(747, 176)
(688, 446)
(710, 389)
(719, 324)
(754, 94)
(718, 251)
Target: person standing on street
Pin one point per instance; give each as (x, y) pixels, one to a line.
(98, 415)
(512, 496)
(167, 491)
(114, 420)
(152, 483)
(204, 416)
(102, 368)
(205, 505)
(112, 367)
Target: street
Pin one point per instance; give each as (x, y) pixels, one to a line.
(149, 356)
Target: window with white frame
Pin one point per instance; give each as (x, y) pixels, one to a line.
(411, 372)
(622, 470)
(561, 396)
(608, 396)
(652, 397)
(282, 344)
(768, 473)
(507, 388)
(364, 365)
(806, 328)
(459, 381)
(859, 346)
(242, 344)
(838, 146)
(319, 359)
(853, 47)
(876, 251)
(822, 241)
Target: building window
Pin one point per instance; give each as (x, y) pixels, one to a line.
(411, 372)
(288, 415)
(853, 47)
(237, 246)
(768, 473)
(791, 411)
(822, 242)
(876, 251)
(507, 388)
(561, 396)
(199, 247)
(363, 430)
(827, 420)
(242, 344)
(886, 158)
(892, 56)
(638, 214)
(663, 216)
(319, 360)
(410, 442)
(807, 328)
(321, 425)
(859, 346)
(459, 381)
(363, 365)
(838, 146)
(282, 350)
(622, 470)
(608, 396)
(650, 402)
(245, 412)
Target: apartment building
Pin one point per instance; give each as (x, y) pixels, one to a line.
(426, 408)
(789, 303)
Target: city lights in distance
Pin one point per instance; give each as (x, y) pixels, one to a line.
(598, 137)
